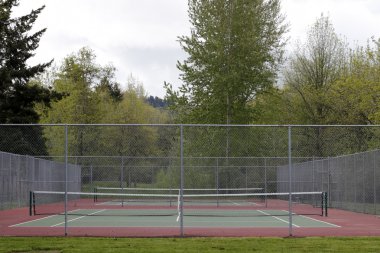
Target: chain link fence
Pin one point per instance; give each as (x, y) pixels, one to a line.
(340, 160)
(20, 174)
(351, 181)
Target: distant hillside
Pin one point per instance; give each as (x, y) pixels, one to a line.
(156, 102)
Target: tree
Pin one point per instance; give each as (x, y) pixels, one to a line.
(314, 67)
(89, 93)
(92, 96)
(107, 85)
(355, 98)
(156, 102)
(17, 96)
(233, 51)
(17, 45)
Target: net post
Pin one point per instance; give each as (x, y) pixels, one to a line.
(95, 191)
(91, 177)
(322, 204)
(170, 193)
(34, 203)
(326, 203)
(30, 203)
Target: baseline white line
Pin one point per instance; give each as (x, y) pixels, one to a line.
(313, 219)
(287, 222)
(50, 216)
(235, 203)
(245, 203)
(77, 218)
(26, 222)
(320, 221)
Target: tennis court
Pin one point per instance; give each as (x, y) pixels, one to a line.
(206, 218)
(232, 212)
(190, 180)
(158, 212)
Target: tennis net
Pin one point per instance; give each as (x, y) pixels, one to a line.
(207, 204)
(194, 191)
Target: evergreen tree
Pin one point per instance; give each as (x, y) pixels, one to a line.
(17, 96)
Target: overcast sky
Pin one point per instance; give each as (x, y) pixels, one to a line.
(139, 37)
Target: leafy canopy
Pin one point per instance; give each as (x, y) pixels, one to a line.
(233, 50)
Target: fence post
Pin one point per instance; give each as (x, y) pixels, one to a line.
(182, 183)
(265, 182)
(290, 180)
(355, 184)
(364, 204)
(328, 179)
(66, 177)
(217, 181)
(374, 182)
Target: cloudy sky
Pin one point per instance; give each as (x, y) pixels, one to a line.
(139, 37)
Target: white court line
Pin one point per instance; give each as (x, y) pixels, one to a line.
(50, 216)
(245, 203)
(108, 203)
(23, 223)
(277, 218)
(235, 203)
(78, 218)
(313, 219)
(321, 221)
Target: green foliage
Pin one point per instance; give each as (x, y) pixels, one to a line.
(271, 107)
(25, 140)
(313, 69)
(16, 47)
(355, 98)
(17, 97)
(234, 50)
(325, 83)
(91, 95)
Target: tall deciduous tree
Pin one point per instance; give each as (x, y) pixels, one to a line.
(17, 97)
(233, 52)
(87, 95)
(313, 70)
(355, 98)
(314, 67)
(91, 95)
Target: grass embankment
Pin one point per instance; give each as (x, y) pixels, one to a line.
(167, 245)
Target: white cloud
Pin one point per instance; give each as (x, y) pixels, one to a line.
(354, 19)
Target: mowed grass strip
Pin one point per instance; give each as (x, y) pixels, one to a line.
(165, 245)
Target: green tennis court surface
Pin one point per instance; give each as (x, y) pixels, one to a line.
(207, 218)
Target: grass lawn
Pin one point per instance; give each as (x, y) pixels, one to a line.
(167, 245)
